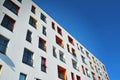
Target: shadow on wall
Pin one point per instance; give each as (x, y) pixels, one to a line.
(8, 61)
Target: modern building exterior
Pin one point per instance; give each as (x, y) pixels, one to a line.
(33, 46)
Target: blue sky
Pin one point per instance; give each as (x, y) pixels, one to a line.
(94, 23)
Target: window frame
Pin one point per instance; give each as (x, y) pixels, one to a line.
(53, 25)
(44, 30)
(59, 30)
(4, 43)
(29, 36)
(43, 18)
(33, 9)
(11, 6)
(8, 22)
(33, 22)
(23, 75)
(62, 56)
(59, 41)
(54, 52)
(42, 44)
(43, 64)
(71, 40)
(27, 57)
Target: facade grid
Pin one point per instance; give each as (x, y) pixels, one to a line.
(33, 46)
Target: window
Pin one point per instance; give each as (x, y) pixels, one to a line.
(91, 65)
(33, 22)
(0, 68)
(96, 68)
(78, 77)
(68, 48)
(78, 46)
(87, 54)
(62, 56)
(87, 72)
(3, 44)
(54, 52)
(83, 59)
(8, 23)
(75, 65)
(59, 30)
(59, 41)
(43, 64)
(81, 48)
(33, 9)
(93, 59)
(62, 73)
(29, 36)
(28, 57)
(20, 1)
(99, 78)
(106, 76)
(22, 76)
(43, 17)
(53, 25)
(42, 44)
(70, 40)
(72, 75)
(83, 69)
(104, 68)
(73, 52)
(44, 30)
(93, 76)
(11, 6)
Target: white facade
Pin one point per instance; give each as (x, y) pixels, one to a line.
(11, 61)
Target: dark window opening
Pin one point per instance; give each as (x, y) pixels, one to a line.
(22, 76)
(68, 48)
(91, 65)
(83, 69)
(59, 30)
(62, 73)
(87, 72)
(73, 52)
(8, 23)
(29, 36)
(62, 56)
(78, 77)
(44, 30)
(28, 57)
(42, 44)
(0, 67)
(72, 75)
(43, 64)
(93, 76)
(83, 59)
(70, 40)
(3, 44)
(20, 1)
(53, 25)
(11, 6)
(33, 9)
(75, 65)
(81, 48)
(33, 22)
(59, 42)
(54, 52)
(88, 55)
(43, 17)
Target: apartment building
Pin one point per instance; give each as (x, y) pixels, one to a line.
(33, 46)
